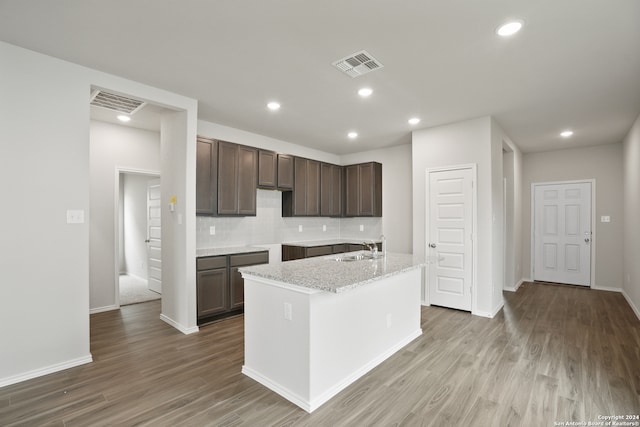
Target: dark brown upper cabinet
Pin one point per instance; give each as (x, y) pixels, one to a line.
(363, 190)
(237, 179)
(206, 176)
(304, 200)
(267, 169)
(285, 172)
(330, 190)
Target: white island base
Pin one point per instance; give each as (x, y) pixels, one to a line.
(307, 345)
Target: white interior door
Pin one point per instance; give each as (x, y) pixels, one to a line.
(562, 233)
(450, 238)
(154, 247)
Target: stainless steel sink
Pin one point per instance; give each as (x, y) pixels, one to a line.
(354, 257)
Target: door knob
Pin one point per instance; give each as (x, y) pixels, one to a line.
(432, 245)
(147, 241)
(587, 240)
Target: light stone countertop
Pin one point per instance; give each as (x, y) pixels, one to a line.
(327, 274)
(231, 250)
(314, 243)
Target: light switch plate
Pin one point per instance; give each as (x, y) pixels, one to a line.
(75, 216)
(212, 230)
(605, 218)
(361, 227)
(324, 227)
(300, 228)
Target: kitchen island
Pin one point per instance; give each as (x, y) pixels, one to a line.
(314, 326)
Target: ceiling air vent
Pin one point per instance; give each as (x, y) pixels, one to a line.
(358, 64)
(119, 103)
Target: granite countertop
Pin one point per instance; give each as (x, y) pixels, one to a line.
(314, 243)
(327, 274)
(231, 250)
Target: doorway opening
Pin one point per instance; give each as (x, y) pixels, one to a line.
(139, 261)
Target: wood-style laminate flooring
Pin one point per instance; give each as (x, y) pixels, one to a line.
(553, 354)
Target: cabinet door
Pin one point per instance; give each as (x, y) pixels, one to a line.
(326, 189)
(206, 176)
(247, 180)
(213, 292)
(236, 286)
(313, 188)
(336, 192)
(236, 296)
(285, 172)
(366, 199)
(319, 251)
(300, 187)
(267, 169)
(227, 178)
(351, 187)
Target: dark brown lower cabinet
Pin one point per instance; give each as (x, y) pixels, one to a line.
(221, 286)
(292, 252)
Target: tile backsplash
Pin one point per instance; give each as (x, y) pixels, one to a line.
(269, 227)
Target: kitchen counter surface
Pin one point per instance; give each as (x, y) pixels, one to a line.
(231, 250)
(327, 274)
(314, 243)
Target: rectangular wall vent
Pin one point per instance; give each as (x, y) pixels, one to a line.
(119, 103)
(357, 64)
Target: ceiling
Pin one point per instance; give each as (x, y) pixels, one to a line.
(575, 64)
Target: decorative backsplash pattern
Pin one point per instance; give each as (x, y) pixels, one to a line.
(269, 227)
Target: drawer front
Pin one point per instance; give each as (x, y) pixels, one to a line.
(338, 249)
(319, 250)
(249, 259)
(209, 263)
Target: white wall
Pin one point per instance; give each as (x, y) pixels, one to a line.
(225, 133)
(44, 167)
(512, 231)
(396, 194)
(178, 227)
(44, 171)
(631, 236)
(112, 147)
(134, 224)
(604, 164)
(467, 142)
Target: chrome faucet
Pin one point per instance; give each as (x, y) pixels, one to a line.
(373, 247)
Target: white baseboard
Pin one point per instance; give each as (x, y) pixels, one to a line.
(606, 288)
(101, 309)
(516, 287)
(45, 371)
(488, 314)
(311, 405)
(631, 304)
(178, 326)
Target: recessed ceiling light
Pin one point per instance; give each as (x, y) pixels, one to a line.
(509, 29)
(273, 106)
(365, 92)
(566, 133)
(124, 118)
(414, 121)
(352, 135)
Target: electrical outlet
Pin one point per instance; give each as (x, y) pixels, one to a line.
(361, 227)
(212, 230)
(605, 218)
(324, 227)
(300, 228)
(75, 217)
(288, 311)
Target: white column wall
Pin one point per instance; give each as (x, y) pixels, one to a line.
(459, 143)
(631, 237)
(44, 167)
